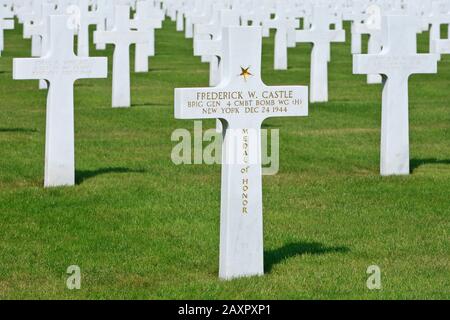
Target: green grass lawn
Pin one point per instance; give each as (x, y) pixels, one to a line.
(140, 227)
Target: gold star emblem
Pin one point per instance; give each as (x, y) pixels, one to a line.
(245, 73)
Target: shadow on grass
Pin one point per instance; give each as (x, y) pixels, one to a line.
(17, 130)
(416, 163)
(268, 125)
(83, 175)
(146, 104)
(290, 250)
(82, 84)
(159, 69)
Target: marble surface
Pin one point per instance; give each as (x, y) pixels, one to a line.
(60, 67)
(397, 62)
(242, 101)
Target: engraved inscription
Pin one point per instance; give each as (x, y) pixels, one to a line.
(244, 102)
(244, 170)
(78, 67)
(391, 62)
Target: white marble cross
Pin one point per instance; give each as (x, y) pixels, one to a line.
(372, 27)
(195, 8)
(321, 37)
(40, 29)
(100, 11)
(336, 12)
(243, 102)
(282, 25)
(421, 9)
(158, 15)
(122, 37)
(357, 15)
(257, 14)
(206, 16)
(61, 68)
(63, 5)
(440, 14)
(170, 9)
(258, 11)
(20, 8)
(212, 47)
(397, 62)
(109, 10)
(442, 46)
(86, 18)
(206, 31)
(82, 28)
(146, 22)
(179, 8)
(32, 17)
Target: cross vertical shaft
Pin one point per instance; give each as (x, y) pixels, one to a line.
(242, 101)
(60, 67)
(395, 127)
(397, 61)
(59, 135)
(241, 218)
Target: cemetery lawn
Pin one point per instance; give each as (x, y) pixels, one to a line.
(140, 227)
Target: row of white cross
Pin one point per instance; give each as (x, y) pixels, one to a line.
(113, 26)
(234, 54)
(392, 51)
(52, 41)
(228, 35)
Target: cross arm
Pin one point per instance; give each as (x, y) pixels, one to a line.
(44, 68)
(147, 24)
(275, 23)
(157, 15)
(294, 23)
(91, 67)
(197, 103)
(30, 68)
(304, 36)
(440, 19)
(207, 47)
(113, 37)
(384, 64)
(33, 29)
(7, 24)
(93, 18)
(200, 19)
(235, 103)
(367, 64)
(315, 35)
(362, 28)
(354, 16)
(338, 36)
(271, 23)
(426, 63)
(282, 101)
(6, 12)
(211, 29)
(442, 46)
(157, 24)
(29, 17)
(102, 37)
